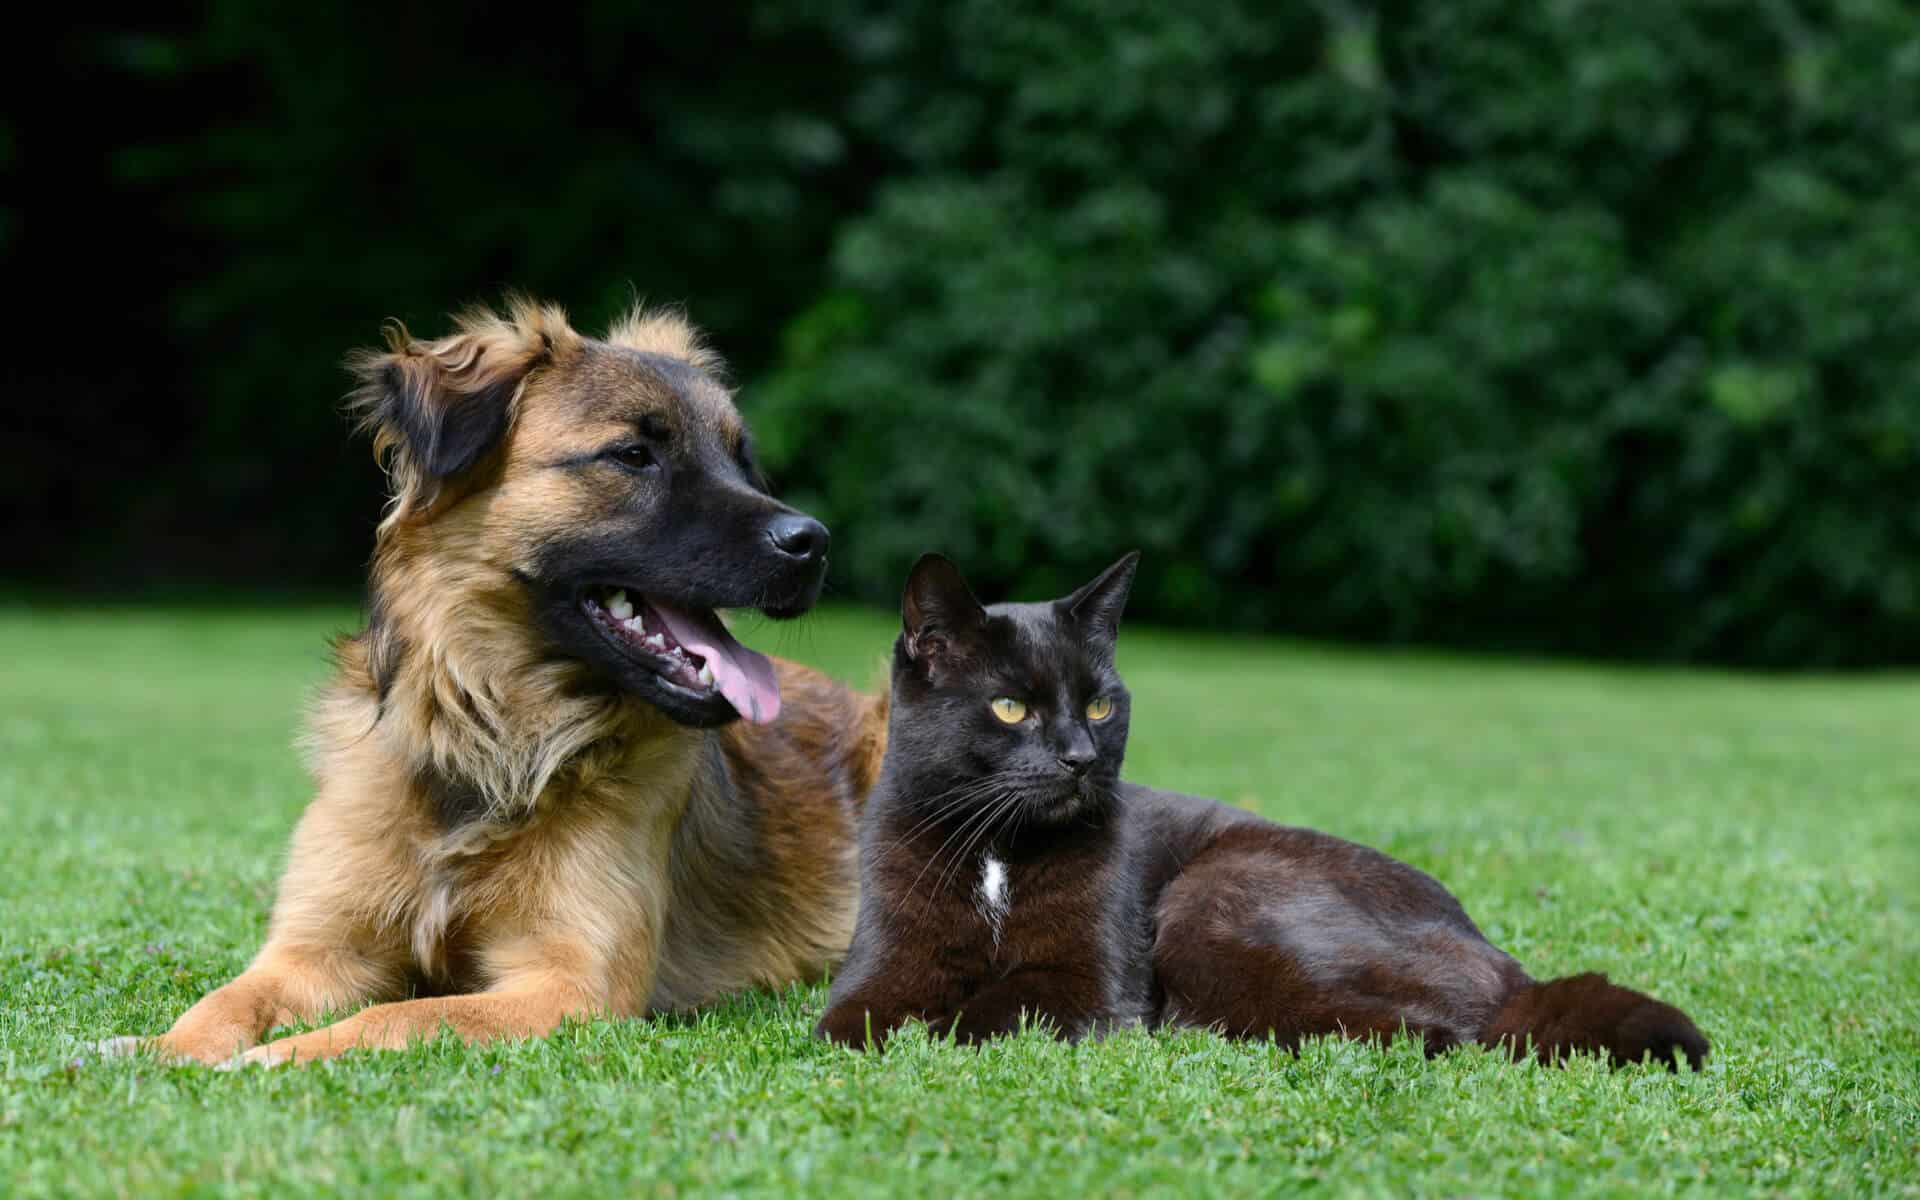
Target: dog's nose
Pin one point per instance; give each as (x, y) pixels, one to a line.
(798, 537)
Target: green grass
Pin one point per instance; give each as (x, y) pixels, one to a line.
(1743, 847)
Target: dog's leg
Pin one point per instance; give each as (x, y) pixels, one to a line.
(482, 1016)
(282, 985)
(324, 950)
(585, 942)
(545, 980)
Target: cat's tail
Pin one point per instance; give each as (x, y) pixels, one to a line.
(1587, 1013)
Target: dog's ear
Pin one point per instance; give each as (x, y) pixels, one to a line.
(938, 615)
(436, 409)
(1096, 607)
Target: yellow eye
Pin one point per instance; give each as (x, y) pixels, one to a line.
(1009, 710)
(1099, 709)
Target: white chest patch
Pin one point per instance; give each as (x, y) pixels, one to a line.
(994, 897)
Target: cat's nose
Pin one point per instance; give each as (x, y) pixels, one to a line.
(1077, 761)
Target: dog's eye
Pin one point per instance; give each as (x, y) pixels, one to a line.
(637, 456)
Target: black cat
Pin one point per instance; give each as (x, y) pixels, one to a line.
(1006, 870)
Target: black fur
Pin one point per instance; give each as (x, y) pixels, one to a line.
(386, 648)
(454, 803)
(1123, 903)
(959, 785)
(446, 435)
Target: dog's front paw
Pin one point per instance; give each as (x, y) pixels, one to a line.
(167, 1050)
(269, 1054)
(124, 1047)
(303, 1049)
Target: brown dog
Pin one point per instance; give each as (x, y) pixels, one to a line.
(535, 801)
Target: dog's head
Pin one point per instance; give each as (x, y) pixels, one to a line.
(603, 491)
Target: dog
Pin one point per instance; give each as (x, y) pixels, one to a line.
(550, 784)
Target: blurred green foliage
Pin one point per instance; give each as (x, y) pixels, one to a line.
(1569, 325)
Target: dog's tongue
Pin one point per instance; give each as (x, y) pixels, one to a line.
(743, 677)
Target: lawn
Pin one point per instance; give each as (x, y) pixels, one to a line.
(1743, 847)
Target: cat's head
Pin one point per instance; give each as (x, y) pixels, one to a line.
(1015, 706)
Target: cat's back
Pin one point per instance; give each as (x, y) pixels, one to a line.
(1169, 830)
(1166, 829)
(1176, 814)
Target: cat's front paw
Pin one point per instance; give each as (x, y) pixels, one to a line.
(976, 1027)
(972, 1035)
(854, 1028)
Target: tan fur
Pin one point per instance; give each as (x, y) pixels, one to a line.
(621, 863)
(663, 331)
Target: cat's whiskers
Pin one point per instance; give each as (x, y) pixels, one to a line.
(1012, 807)
(1009, 806)
(968, 834)
(985, 810)
(949, 803)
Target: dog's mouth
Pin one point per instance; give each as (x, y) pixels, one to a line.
(688, 650)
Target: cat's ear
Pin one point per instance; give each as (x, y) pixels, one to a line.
(938, 608)
(1096, 607)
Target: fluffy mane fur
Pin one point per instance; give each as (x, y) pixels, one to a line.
(664, 331)
(486, 360)
(449, 647)
(506, 818)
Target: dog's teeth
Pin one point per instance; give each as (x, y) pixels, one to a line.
(656, 642)
(706, 675)
(619, 605)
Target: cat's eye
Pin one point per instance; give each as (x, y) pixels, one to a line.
(1009, 710)
(1099, 708)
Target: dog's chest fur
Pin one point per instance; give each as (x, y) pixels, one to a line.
(696, 862)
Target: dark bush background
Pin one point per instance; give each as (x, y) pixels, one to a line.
(1571, 325)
